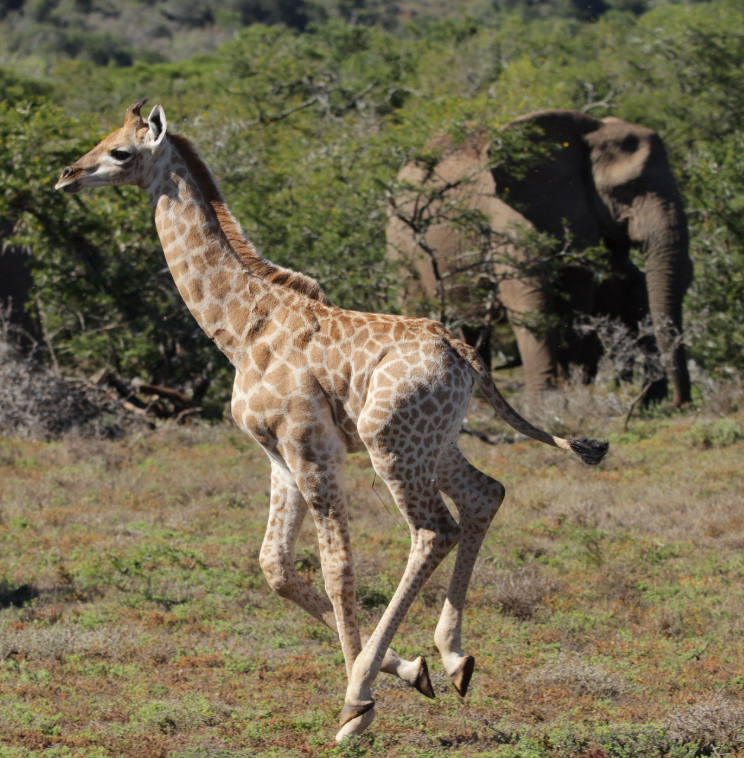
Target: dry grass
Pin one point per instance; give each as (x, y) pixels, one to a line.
(37, 403)
(522, 593)
(578, 676)
(711, 721)
(136, 621)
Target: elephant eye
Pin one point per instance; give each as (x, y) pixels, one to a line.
(121, 155)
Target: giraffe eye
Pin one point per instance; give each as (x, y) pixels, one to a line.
(120, 155)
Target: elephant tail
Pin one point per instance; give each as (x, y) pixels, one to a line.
(590, 451)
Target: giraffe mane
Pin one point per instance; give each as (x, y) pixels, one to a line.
(234, 234)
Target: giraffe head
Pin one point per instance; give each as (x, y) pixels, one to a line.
(126, 156)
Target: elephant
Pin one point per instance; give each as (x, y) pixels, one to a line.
(592, 183)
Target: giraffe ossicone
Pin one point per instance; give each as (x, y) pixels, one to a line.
(313, 382)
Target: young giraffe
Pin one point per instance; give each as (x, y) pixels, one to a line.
(313, 382)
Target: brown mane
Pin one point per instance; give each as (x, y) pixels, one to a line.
(233, 233)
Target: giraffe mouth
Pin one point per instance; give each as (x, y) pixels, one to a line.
(72, 188)
(70, 184)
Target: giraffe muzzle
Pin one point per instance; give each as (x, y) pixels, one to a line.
(70, 180)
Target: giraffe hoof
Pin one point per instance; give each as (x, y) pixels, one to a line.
(423, 683)
(354, 720)
(461, 677)
(350, 712)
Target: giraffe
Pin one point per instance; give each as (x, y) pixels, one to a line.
(314, 382)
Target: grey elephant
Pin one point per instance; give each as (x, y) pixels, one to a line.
(596, 182)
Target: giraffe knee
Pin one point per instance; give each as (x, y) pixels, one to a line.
(479, 512)
(496, 495)
(442, 536)
(278, 572)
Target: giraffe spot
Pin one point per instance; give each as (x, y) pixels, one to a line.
(219, 285)
(196, 288)
(238, 409)
(333, 359)
(180, 268)
(250, 378)
(295, 323)
(225, 339)
(213, 313)
(279, 379)
(231, 264)
(238, 316)
(303, 338)
(296, 359)
(379, 328)
(213, 255)
(382, 381)
(173, 255)
(200, 263)
(195, 240)
(361, 337)
(257, 403)
(261, 355)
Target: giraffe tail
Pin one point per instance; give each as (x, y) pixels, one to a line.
(590, 451)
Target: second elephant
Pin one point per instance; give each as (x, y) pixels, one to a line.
(605, 182)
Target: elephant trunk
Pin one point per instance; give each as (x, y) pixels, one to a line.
(668, 275)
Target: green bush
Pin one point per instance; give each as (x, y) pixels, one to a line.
(306, 133)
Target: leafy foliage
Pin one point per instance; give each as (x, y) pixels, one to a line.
(306, 133)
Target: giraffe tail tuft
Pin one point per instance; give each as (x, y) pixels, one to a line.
(590, 451)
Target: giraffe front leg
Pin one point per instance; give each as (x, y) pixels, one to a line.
(477, 498)
(287, 511)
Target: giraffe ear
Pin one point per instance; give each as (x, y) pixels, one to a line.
(157, 125)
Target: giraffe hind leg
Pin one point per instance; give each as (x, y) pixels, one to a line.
(477, 498)
(433, 534)
(287, 511)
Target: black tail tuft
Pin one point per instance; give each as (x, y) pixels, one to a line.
(590, 451)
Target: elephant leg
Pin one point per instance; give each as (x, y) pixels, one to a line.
(527, 306)
(578, 295)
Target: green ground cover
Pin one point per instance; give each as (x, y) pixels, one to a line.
(606, 611)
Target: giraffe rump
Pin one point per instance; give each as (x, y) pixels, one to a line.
(233, 232)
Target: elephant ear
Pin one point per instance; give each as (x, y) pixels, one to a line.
(555, 189)
(619, 152)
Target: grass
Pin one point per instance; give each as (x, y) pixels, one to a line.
(606, 612)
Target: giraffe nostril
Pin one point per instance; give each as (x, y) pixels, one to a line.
(68, 172)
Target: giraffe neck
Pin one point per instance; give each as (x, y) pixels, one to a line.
(224, 282)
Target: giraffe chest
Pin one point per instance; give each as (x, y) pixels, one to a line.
(292, 404)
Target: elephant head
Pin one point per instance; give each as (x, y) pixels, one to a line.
(642, 203)
(605, 181)
(610, 180)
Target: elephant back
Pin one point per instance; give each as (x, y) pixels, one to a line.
(433, 231)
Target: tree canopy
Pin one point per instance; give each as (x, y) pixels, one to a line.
(306, 126)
